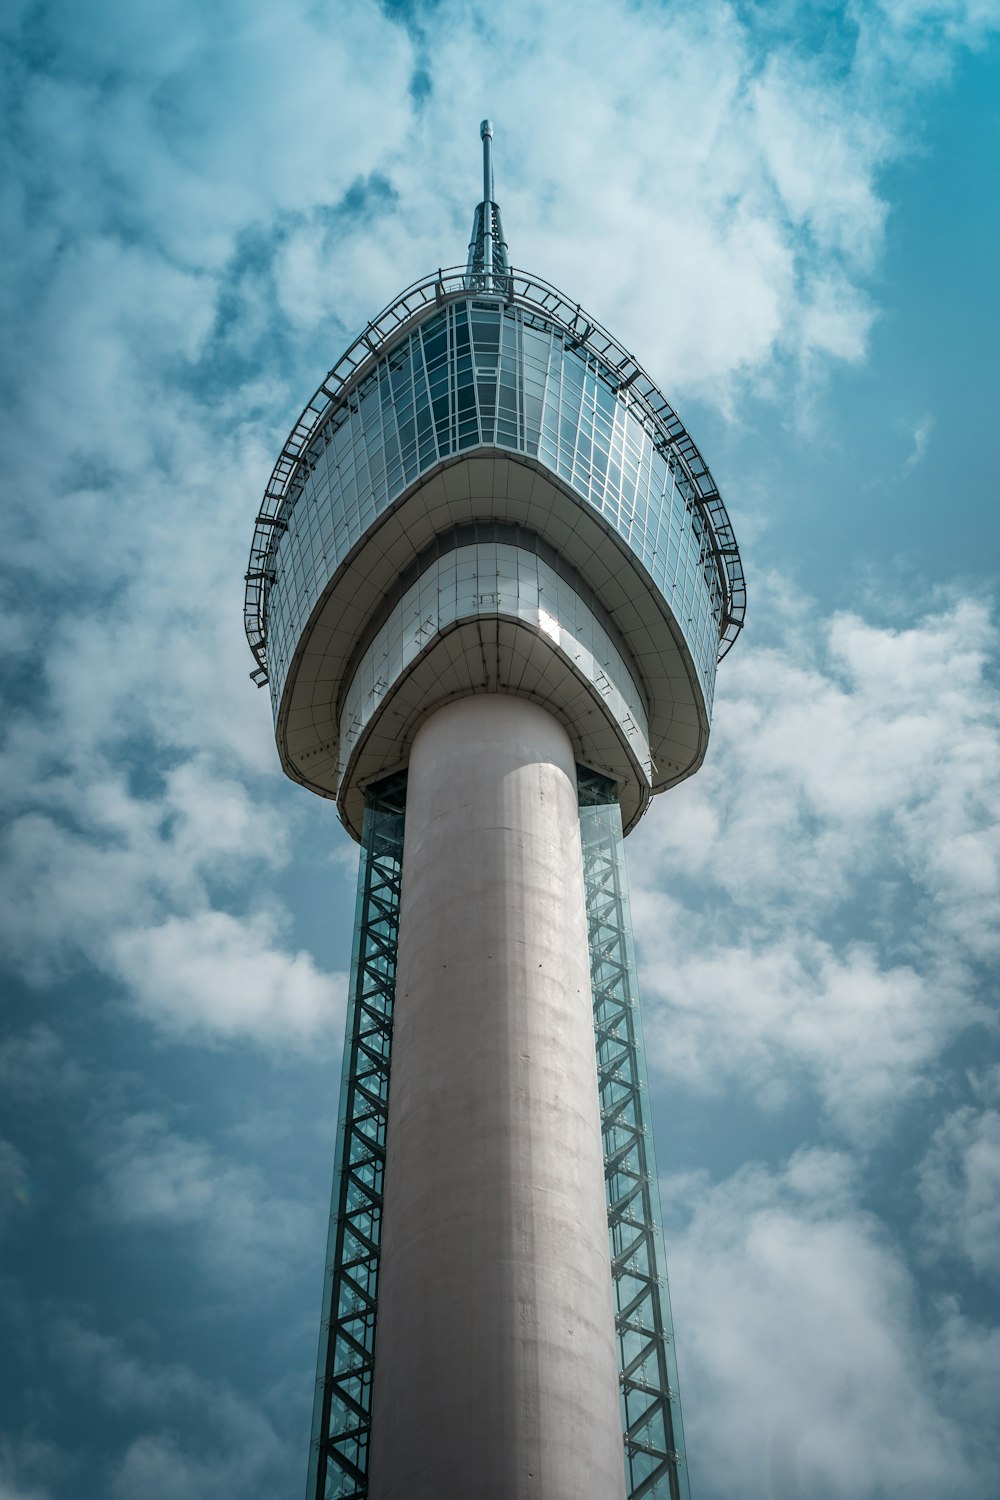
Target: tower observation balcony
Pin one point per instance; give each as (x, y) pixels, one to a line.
(490, 583)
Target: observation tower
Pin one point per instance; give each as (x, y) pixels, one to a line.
(490, 582)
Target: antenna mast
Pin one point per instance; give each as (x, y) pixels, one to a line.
(486, 132)
(488, 266)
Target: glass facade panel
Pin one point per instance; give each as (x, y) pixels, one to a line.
(478, 373)
(492, 578)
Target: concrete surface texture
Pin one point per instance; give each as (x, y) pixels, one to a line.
(495, 1370)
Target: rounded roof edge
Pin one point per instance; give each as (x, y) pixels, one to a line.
(541, 298)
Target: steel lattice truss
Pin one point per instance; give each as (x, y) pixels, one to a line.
(338, 1466)
(651, 1419)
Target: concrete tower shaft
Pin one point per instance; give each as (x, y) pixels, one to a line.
(490, 582)
(495, 1314)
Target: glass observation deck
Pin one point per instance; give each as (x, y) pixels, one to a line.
(449, 369)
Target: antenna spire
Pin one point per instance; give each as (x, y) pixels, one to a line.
(486, 136)
(488, 266)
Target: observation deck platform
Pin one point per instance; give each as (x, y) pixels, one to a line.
(488, 489)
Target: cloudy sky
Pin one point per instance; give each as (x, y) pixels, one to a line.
(790, 211)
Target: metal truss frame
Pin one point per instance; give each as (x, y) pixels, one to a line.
(651, 1419)
(544, 300)
(338, 1459)
(655, 1461)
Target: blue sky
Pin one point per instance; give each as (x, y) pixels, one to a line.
(790, 212)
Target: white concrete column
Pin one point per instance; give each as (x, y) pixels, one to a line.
(495, 1369)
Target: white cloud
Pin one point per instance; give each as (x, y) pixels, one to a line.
(967, 1355)
(921, 441)
(221, 1428)
(773, 1016)
(918, 38)
(35, 1066)
(212, 976)
(209, 122)
(127, 882)
(225, 1210)
(13, 1183)
(9, 1490)
(840, 855)
(26, 1468)
(960, 1188)
(157, 1466)
(804, 1357)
